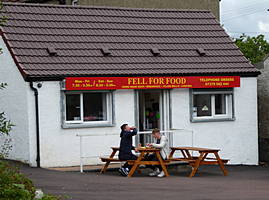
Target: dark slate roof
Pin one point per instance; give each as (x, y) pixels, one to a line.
(78, 35)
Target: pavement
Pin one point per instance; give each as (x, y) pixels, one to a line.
(242, 182)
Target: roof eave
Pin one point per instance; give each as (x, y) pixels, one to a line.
(62, 77)
(24, 75)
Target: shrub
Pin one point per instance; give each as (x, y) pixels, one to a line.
(51, 197)
(14, 185)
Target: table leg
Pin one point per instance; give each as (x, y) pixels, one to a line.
(225, 172)
(162, 163)
(171, 154)
(136, 164)
(196, 164)
(183, 153)
(204, 157)
(104, 168)
(188, 154)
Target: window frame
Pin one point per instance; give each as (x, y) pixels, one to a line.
(84, 124)
(229, 97)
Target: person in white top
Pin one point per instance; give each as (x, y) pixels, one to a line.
(162, 144)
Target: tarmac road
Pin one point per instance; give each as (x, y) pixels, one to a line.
(242, 182)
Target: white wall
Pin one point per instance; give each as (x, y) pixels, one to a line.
(14, 101)
(238, 140)
(60, 147)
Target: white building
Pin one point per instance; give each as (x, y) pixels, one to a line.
(47, 48)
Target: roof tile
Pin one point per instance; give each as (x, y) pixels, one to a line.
(78, 33)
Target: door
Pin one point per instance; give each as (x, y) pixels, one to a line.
(149, 110)
(152, 111)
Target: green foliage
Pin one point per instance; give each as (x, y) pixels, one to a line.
(5, 125)
(5, 128)
(14, 185)
(2, 85)
(254, 48)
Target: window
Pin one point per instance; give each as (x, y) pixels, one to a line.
(215, 104)
(87, 109)
(95, 108)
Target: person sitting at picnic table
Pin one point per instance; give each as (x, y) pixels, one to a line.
(126, 147)
(162, 144)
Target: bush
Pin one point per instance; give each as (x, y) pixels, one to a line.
(15, 186)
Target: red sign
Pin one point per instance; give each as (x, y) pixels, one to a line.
(113, 83)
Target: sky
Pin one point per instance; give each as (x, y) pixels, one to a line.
(245, 16)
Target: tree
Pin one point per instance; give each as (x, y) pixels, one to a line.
(254, 48)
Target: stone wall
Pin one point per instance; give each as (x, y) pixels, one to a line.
(212, 5)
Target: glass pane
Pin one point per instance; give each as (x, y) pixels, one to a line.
(72, 107)
(220, 104)
(95, 108)
(202, 105)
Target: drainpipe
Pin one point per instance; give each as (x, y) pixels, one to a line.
(37, 122)
(74, 2)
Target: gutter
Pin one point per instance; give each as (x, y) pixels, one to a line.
(37, 124)
(62, 77)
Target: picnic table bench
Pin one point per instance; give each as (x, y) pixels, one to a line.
(110, 159)
(197, 161)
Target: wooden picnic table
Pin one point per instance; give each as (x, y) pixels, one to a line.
(143, 152)
(136, 163)
(197, 161)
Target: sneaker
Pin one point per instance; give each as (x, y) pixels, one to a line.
(160, 175)
(123, 171)
(155, 172)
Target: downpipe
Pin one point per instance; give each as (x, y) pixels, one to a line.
(39, 85)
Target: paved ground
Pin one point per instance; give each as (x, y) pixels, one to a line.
(243, 182)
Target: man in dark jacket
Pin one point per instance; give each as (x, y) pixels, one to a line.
(126, 147)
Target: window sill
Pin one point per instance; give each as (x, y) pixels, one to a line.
(197, 120)
(86, 125)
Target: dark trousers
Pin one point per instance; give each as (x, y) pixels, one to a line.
(152, 157)
(127, 157)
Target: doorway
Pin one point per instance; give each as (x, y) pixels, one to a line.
(149, 110)
(152, 112)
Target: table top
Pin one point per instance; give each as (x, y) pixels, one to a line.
(140, 149)
(148, 149)
(173, 148)
(195, 149)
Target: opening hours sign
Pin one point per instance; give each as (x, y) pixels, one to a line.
(115, 83)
